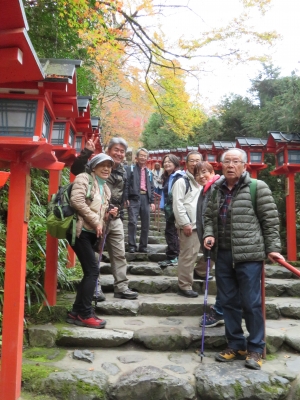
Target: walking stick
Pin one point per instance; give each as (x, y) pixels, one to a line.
(205, 303)
(101, 248)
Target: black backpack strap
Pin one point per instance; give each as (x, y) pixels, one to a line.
(187, 184)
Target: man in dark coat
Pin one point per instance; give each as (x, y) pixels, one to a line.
(241, 235)
(139, 194)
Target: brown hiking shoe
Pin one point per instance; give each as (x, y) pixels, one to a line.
(253, 360)
(231, 355)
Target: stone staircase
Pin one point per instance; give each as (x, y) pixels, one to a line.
(150, 347)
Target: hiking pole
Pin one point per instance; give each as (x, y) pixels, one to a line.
(205, 302)
(101, 248)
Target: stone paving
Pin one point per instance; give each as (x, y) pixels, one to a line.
(150, 347)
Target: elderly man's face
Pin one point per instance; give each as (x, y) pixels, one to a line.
(233, 166)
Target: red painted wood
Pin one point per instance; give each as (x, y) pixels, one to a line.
(291, 241)
(71, 258)
(11, 56)
(289, 267)
(30, 69)
(3, 177)
(14, 285)
(51, 249)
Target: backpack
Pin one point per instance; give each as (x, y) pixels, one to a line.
(61, 216)
(168, 207)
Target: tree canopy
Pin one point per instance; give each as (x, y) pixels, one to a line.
(127, 58)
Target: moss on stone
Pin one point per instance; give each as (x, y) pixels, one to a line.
(271, 389)
(62, 331)
(42, 354)
(86, 388)
(33, 375)
(270, 357)
(32, 396)
(238, 390)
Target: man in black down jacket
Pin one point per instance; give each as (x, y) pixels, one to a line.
(242, 237)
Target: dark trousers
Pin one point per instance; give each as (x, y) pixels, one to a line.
(86, 255)
(172, 240)
(239, 289)
(138, 208)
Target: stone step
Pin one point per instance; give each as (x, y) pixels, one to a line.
(157, 333)
(165, 305)
(151, 239)
(145, 267)
(289, 288)
(150, 232)
(126, 373)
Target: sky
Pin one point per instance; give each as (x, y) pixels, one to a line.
(221, 79)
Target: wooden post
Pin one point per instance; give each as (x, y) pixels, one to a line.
(52, 248)
(291, 218)
(14, 284)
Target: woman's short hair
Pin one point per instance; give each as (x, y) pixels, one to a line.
(203, 165)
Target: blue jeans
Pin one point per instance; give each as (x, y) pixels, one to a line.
(239, 289)
(217, 306)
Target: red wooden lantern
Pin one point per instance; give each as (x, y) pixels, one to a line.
(255, 149)
(26, 119)
(182, 152)
(286, 147)
(218, 147)
(209, 155)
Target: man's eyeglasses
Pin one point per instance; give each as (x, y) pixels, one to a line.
(234, 162)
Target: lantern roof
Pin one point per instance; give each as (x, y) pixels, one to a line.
(285, 136)
(83, 103)
(250, 142)
(59, 70)
(205, 147)
(95, 122)
(218, 145)
(191, 148)
(276, 137)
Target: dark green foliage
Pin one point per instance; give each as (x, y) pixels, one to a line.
(36, 242)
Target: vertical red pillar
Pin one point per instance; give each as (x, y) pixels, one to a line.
(14, 284)
(51, 249)
(254, 174)
(291, 218)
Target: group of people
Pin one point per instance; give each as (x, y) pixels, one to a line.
(211, 212)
